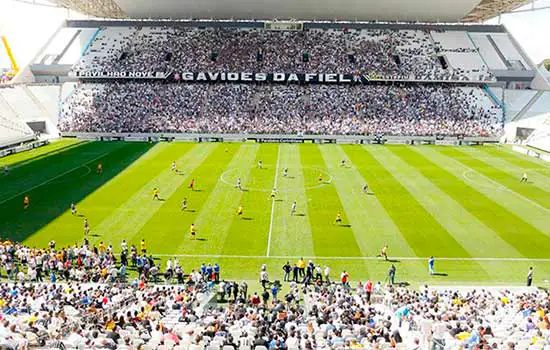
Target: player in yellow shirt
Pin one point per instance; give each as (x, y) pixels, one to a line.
(99, 168)
(156, 193)
(273, 193)
(320, 179)
(384, 252)
(102, 248)
(240, 210)
(338, 218)
(143, 247)
(192, 231)
(26, 202)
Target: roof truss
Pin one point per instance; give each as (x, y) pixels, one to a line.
(488, 9)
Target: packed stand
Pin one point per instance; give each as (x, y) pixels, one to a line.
(320, 316)
(312, 310)
(382, 53)
(314, 109)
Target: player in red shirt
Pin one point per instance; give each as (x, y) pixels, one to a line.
(192, 184)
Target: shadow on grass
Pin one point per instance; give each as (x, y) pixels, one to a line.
(443, 274)
(44, 155)
(247, 219)
(301, 214)
(344, 225)
(52, 183)
(200, 239)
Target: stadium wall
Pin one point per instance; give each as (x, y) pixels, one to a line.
(22, 148)
(282, 138)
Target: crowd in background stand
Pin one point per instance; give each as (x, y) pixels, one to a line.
(289, 109)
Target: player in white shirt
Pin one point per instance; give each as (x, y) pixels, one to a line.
(86, 227)
(293, 208)
(238, 185)
(260, 164)
(174, 167)
(285, 172)
(124, 245)
(184, 204)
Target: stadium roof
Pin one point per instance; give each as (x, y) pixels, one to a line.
(364, 10)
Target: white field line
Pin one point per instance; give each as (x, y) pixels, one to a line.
(273, 203)
(351, 258)
(53, 178)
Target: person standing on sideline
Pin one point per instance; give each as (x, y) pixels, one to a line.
(319, 273)
(295, 273)
(327, 274)
(368, 290)
(344, 278)
(301, 267)
(530, 277)
(391, 274)
(264, 277)
(216, 272)
(431, 263)
(287, 268)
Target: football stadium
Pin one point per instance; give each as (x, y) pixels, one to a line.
(269, 174)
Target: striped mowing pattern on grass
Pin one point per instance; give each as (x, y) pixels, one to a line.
(128, 219)
(421, 230)
(463, 205)
(292, 235)
(539, 179)
(511, 182)
(527, 211)
(324, 203)
(448, 205)
(214, 211)
(249, 234)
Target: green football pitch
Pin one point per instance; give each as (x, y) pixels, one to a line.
(463, 205)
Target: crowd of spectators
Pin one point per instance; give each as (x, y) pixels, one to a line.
(289, 109)
(325, 314)
(407, 53)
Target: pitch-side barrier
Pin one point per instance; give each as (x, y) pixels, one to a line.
(283, 138)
